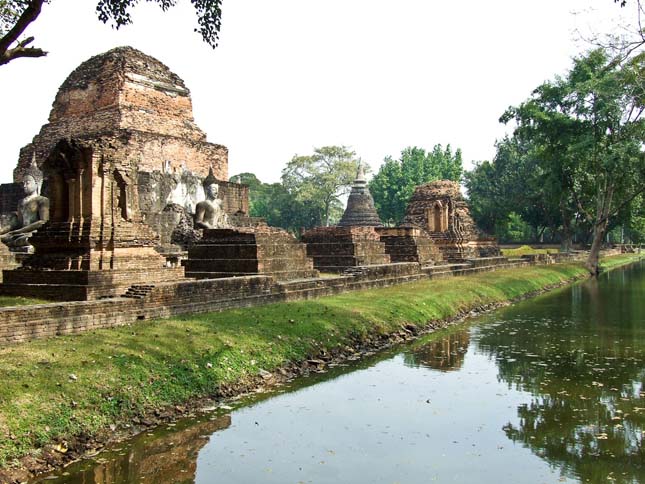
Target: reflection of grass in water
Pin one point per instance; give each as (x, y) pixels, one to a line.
(53, 389)
(6, 301)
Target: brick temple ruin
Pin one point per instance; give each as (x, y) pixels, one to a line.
(137, 220)
(440, 210)
(122, 163)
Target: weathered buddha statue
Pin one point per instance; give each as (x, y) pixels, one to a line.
(209, 213)
(32, 213)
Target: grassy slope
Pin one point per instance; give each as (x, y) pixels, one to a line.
(82, 383)
(526, 250)
(19, 301)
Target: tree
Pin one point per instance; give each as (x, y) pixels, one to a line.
(396, 180)
(519, 181)
(320, 179)
(631, 39)
(635, 223)
(591, 127)
(274, 203)
(17, 15)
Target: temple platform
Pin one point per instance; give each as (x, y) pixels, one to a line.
(335, 249)
(409, 244)
(243, 251)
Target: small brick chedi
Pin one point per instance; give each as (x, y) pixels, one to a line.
(440, 209)
(360, 210)
(354, 241)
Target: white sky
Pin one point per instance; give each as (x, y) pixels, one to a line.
(291, 75)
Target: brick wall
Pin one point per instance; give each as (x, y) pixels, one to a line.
(18, 324)
(10, 195)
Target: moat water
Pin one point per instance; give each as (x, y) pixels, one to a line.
(548, 390)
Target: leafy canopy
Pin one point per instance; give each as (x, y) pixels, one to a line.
(321, 178)
(575, 161)
(17, 15)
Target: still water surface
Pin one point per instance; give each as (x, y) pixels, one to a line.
(549, 390)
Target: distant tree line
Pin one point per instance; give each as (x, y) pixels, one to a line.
(312, 187)
(309, 192)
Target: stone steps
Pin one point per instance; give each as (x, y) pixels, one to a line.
(138, 291)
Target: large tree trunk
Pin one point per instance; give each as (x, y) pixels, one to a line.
(593, 260)
(326, 213)
(601, 222)
(567, 234)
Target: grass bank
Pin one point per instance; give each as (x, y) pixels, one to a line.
(527, 250)
(19, 301)
(57, 389)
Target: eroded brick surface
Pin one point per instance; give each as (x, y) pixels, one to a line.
(335, 249)
(126, 91)
(409, 244)
(244, 251)
(439, 209)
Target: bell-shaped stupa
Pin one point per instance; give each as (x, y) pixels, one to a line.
(360, 211)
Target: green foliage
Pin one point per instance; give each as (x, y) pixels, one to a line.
(635, 225)
(279, 207)
(317, 181)
(514, 229)
(575, 163)
(515, 185)
(17, 15)
(396, 180)
(308, 193)
(249, 179)
(589, 126)
(209, 15)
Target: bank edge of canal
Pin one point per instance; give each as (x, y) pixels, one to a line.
(67, 397)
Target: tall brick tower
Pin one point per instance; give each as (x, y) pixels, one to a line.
(136, 102)
(117, 114)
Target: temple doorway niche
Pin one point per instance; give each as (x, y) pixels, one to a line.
(447, 210)
(438, 217)
(124, 195)
(68, 182)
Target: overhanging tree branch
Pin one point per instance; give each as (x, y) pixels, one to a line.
(21, 13)
(624, 203)
(21, 50)
(7, 53)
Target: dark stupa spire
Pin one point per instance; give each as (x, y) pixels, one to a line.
(360, 209)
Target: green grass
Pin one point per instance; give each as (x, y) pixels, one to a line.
(56, 388)
(526, 250)
(6, 301)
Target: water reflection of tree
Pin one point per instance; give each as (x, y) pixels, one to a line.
(585, 370)
(445, 353)
(160, 459)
